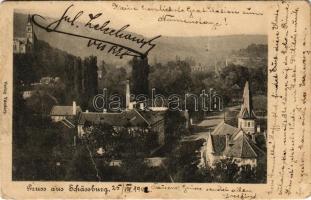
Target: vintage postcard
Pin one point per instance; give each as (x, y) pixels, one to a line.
(155, 99)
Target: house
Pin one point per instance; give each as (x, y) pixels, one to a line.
(65, 113)
(46, 80)
(135, 121)
(198, 68)
(156, 120)
(27, 94)
(227, 141)
(237, 143)
(23, 45)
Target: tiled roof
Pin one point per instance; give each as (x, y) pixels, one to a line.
(224, 129)
(239, 143)
(254, 146)
(63, 110)
(153, 116)
(131, 117)
(236, 134)
(243, 147)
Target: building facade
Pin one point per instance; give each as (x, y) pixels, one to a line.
(23, 45)
(237, 143)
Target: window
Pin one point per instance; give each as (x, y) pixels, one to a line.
(248, 124)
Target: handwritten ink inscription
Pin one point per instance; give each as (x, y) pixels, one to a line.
(187, 14)
(287, 94)
(113, 40)
(235, 192)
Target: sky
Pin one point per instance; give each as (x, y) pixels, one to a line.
(147, 22)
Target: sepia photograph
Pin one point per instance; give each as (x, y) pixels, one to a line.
(187, 109)
(155, 100)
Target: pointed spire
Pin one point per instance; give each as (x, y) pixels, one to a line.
(247, 98)
(29, 18)
(247, 106)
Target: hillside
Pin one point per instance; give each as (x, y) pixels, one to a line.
(203, 50)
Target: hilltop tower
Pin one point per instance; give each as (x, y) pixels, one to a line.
(247, 118)
(30, 36)
(22, 45)
(29, 30)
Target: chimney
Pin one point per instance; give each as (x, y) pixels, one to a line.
(227, 140)
(258, 129)
(141, 106)
(127, 95)
(186, 114)
(130, 106)
(74, 108)
(74, 141)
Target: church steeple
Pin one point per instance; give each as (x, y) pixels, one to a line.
(29, 19)
(247, 116)
(30, 36)
(26, 44)
(246, 111)
(29, 30)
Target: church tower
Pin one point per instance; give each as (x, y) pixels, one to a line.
(30, 36)
(247, 116)
(29, 31)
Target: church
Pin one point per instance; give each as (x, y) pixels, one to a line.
(23, 45)
(237, 143)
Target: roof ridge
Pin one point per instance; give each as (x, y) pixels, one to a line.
(233, 127)
(98, 113)
(210, 138)
(218, 126)
(212, 142)
(258, 148)
(235, 133)
(142, 117)
(246, 139)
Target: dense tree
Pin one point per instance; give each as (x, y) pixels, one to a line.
(140, 74)
(89, 81)
(81, 166)
(113, 80)
(173, 77)
(183, 161)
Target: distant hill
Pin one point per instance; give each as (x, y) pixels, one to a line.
(205, 50)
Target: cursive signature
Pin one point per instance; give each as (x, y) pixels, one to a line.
(141, 45)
